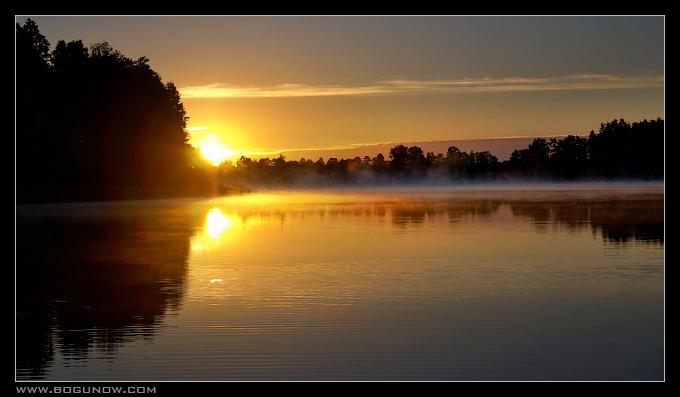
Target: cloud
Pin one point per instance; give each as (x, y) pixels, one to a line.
(402, 85)
(313, 148)
(284, 90)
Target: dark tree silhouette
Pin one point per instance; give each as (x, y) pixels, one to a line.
(32, 72)
(98, 125)
(624, 149)
(482, 165)
(32, 53)
(534, 160)
(648, 140)
(398, 158)
(456, 162)
(569, 156)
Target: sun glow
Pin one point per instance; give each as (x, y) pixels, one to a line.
(211, 145)
(215, 152)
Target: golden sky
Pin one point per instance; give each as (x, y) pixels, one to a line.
(255, 84)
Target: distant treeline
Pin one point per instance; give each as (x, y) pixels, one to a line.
(92, 124)
(619, 150)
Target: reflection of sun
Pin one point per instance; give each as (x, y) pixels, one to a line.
(216, 223)
(217, 227)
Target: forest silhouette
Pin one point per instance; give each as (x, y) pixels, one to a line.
(618, 151)
(92, 124)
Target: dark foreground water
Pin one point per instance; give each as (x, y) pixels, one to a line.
(452, 284)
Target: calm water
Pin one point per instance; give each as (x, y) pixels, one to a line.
(394, 284)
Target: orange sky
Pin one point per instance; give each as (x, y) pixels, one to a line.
(266, 84)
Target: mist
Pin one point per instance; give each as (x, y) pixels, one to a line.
(236, 179)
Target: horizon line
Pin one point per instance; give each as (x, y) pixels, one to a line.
(360, 145)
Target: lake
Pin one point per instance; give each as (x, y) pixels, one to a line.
(470, 283)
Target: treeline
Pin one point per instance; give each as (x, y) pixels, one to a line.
(619, 150)
(92, 124)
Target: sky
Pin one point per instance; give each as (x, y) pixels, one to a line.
(299, 85)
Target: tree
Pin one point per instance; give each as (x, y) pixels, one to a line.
(378, 159)
(456, 162)
(94, 124)
(32, 92)
(568, 156)
(398, 158)
(71, 57)
(622, 149)
(416, 157)
(32, 51)
(379, 164)
(648, 141)
(432, 160)
(533, 160)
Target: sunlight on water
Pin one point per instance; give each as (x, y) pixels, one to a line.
(377, 284)
(216, 223)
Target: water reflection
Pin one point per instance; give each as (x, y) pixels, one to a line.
(619, 221)
(90, 277)
(620, 217)
(395, 269)
(416, 211)
(216, 223)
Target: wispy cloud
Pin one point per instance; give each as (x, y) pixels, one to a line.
(313, 148)
(402, 85)
(283, 90)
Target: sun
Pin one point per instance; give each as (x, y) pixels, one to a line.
(211, 146)
(215, 152)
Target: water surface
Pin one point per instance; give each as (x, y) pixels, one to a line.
(549, 283)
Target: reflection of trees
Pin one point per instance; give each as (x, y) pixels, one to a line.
(619, 221)
(409, 215)
(280, 216)
(636, 220)
(96, 281)
(417, 212)
(401, 213)
(482, 208)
